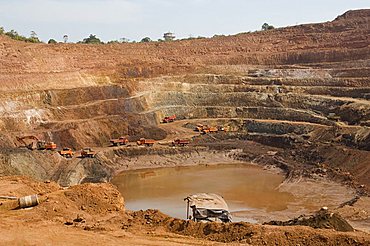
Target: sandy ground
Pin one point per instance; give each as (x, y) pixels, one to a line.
(94, 214)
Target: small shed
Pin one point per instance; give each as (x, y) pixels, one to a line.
(169, 36)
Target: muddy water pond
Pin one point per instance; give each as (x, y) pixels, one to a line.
(252, 193)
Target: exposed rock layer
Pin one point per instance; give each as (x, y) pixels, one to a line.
(305, 85)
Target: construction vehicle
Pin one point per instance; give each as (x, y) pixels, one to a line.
(66, 152)
(36, 143)
(87, 153)
(206, 129)
(119, 141)
(207, 207)
(199, 127)
(25, 144)
(169, 119)
(180, 142)
(41, 145)
(146, 142)
(211, 129)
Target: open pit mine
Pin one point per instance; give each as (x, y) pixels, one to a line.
(276, 122)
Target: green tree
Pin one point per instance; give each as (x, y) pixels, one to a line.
(33, 34)
(146, 40)
(266, 27)
(92, 39)
(2, 31)
(33, 38)
(52, 41)
(12, 34)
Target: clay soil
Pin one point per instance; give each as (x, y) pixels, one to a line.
(94, 214)
(294, 99)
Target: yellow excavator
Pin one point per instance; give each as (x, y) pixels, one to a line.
(36, 143)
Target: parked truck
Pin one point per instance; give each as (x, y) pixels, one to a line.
(87, 153)
(204, 129)
(119, 141)
(211, 129)
(169, 119)
(41, 145)
(66, 152)
(199, 127)
(180, 142)
(146, 142)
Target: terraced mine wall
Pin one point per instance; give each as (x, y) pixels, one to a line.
(289, 88)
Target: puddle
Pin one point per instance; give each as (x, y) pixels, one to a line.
(252, 193)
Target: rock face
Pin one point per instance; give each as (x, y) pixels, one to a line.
(310, 81)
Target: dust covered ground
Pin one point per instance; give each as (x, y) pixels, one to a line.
(94, 214)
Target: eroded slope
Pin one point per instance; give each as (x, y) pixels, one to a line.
(297, 86)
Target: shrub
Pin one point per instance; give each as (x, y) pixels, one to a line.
(92, 39)
(14, 35)
(52, 41)
(146, 40)
(266, 27)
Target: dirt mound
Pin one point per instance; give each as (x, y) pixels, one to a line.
(150, 217)
(82, 205)
(88, 200)
(96, 198)
(357, 209)
(243, 232)
(323, 219)
(221, 232)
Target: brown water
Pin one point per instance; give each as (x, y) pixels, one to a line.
(244, 187)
